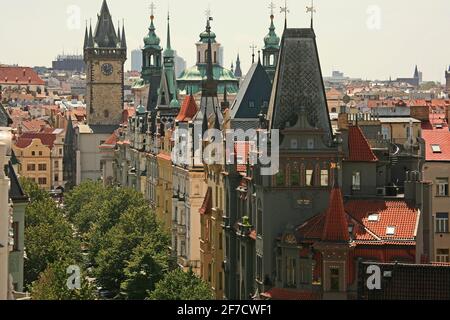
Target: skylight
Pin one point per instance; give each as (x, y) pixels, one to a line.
(436, 148)
(374, 217)
(390, 231)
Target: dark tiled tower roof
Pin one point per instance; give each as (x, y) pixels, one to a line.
(105, 34)
(298, 82)
(5, 120)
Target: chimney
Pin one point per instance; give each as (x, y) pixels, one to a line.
(24, 71)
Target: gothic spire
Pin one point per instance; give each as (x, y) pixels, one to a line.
(105, 33)
(124, 39)
(209, 63)
(91, 38)
(86, 38)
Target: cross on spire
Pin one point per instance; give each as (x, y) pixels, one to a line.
(272, 8)
(312, 10)
(285, 10)
(152, 9)
(253, 47)
(208, 12)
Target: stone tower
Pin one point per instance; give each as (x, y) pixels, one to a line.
(105, 54)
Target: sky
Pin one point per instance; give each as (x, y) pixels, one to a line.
(369, 39)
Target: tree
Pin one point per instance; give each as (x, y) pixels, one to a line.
(52, 285)
(149, 262)
(180, 285)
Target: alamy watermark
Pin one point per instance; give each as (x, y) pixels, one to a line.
(228, 147)
(74, 279)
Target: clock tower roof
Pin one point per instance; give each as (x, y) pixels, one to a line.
(105, 34)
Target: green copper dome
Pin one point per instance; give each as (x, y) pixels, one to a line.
(151, 40)
(272, 40)
(204, 36)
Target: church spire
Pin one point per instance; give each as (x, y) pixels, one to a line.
(86, 38)
(91, 38)
(238, 70)
(151, 40)
(118, 30)
(124, 39)
(105, 33)
(209, 63)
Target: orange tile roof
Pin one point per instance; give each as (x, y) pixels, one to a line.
(188, 109)
(335, 226)
(19, 76)
(111, 141)
(33, 125)
(358, 146)
(434, 136)
(398, 214)
(47, 139)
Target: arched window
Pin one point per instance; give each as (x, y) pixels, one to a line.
(295, 176)
(215, 56)
(198, 57)
(106, 113)
(152, 60)
(272, 59)
(280, 179)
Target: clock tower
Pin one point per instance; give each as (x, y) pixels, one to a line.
(105, 53)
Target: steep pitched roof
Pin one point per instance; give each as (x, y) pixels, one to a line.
(105, 34)
(371, 220)
(47, 139)
(256, 89)
(16, 192)
(336, 226)
(207, 202)
(19, 75)
(188, 109)
(298, 82)
(358, 146)
(437, 139)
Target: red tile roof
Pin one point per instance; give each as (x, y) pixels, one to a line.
(165, 156)
(19, 76)
(207, 202)
(33, 125)
(188, 109)
(335, 226)
(47, 139)
(434, 136)
(398, 214)
(110, 142)
(358, 146)
(290, 294)
(23, 143)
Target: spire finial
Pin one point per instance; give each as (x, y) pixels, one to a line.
(285, 10)
(311, 10)
(152, 10)
(253, 47)
(168, 31)
(272, 8)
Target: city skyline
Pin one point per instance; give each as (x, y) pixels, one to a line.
(350, 34)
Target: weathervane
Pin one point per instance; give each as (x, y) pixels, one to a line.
(285, 10)
(311, 10)
(253, 47)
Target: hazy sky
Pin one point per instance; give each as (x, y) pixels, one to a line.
(372, 39)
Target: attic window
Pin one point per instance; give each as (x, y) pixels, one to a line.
(439, 126)
(374, 217)
(390, 231)
(436, 148)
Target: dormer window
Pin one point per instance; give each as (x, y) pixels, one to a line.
(390, 231)
(436, 148)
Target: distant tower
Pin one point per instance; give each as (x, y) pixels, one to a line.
(271, 48)
(152, 62)
(416, 76)
(238, 71)
(447, 80)
(105, 54)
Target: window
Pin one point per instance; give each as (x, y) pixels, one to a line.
(280, 179)
(259, 222)
(442, 255)
(31, 167)
(42, 167)
(390, 231)
(291, 267)
(442, 222)
(374, 217)
(251, 104)
(33, 153)
(106, 113)
(295, 177)
(309, 178)
(305, 273)
(259, 268)
(272, 60)
(215, 57)
(334, 280)
(42, 181)
(356, 181)
(56, 178)
(324, 178)
(310, 144)
(60, 151)
(40, 153)
(56, 164)
(15, 229)
(294, 144)
(442, 187)
(436, 148)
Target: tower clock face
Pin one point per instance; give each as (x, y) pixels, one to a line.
(107, 69)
